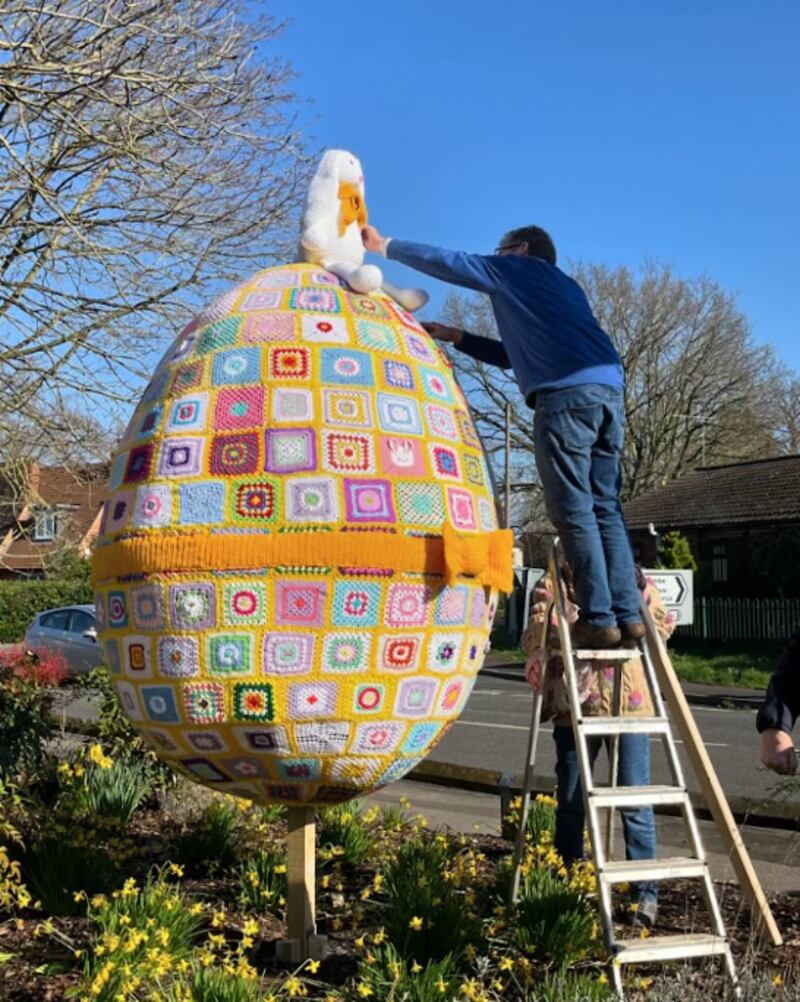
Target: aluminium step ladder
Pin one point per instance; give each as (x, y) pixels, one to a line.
(610, 872)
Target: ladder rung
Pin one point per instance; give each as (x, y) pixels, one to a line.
(670, 868)
(605, 654)
(623, 725)
(659, 948)
(637, 796)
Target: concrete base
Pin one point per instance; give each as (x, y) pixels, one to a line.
(291, 950)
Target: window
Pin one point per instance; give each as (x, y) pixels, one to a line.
(55, 620)
(719, 562)
(81, 621)
(44, 525)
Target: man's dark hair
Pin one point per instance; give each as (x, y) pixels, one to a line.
(539, 241)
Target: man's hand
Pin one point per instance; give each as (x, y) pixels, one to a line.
(373, 240)
(777, 752)
(441, 332)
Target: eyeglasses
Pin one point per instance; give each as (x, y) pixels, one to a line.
(505, 248)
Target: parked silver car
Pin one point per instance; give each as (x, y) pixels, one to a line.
(72, 632)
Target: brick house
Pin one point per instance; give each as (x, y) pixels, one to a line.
(45, 508)
(742, 521)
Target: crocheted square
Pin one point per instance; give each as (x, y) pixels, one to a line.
(399, 415)
(253, 501)
(118, 468)
(292, 405)
(261, 300)
(461, 508)
(419, 736)
(288, 794)
(192, 606)
(159, 703)
(356, 604)
(444, 461)
(322, 737)
(406, 318)
(234, 455)
(311, 699)
(478, 608)
(253, 701)
(487, 514)
(399, 654)
(419, 504)
(244, 604)
(147, 604)
(117, 511)
(289, 363)
(346, 652)
(218, 335)
(453, 695)
(202, 503)
(204, 741)
(324, 278)
(298, 769)
(451, 606)
(290, 450)
(288, 653)
(137, 656)
(402, 457)
(415, 697)
(144, 426)
(240, 365)
(347, 366)
(318, 300)
(440, 422)
(156, 387)
(335, 794)
(473, 470)
(347, 452)
(117, 609)
(369, 698)
(128, 696)
(378, 336)
(153, 506)
(444, 652)
(241, 407)
(396, 770)
(378, 738)
(258, 327)
(300, 603)
(360, 770)
(324, 330)
(205, 770)
(435, 385)
(140, 461)
(277, 279)
(368, 501)
(188, 376)
(184, 343)
(204, 702)
(311, 499)
(188, 413)
(247, 768)
(418, 346)
(407, 605)
(366, 306)
(180, 457)
(161, 739)
(270, 740)
(397, 375)
(229, 654)
(347, 407)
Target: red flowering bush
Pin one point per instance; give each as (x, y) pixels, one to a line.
(40, 667)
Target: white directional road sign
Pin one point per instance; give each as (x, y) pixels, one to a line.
(677, 591)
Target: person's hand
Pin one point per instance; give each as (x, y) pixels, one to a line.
(441, 332)
(777, 752)
(373, 240)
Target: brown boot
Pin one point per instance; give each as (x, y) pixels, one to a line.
(631, 632)
(589, 637)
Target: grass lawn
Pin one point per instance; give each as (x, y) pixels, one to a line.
(737, 664)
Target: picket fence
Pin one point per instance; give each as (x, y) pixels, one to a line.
(743, 619)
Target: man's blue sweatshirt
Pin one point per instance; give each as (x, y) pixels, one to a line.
(548, 330)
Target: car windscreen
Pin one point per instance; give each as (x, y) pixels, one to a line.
(81, 621)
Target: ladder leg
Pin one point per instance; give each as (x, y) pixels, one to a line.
(613, 754)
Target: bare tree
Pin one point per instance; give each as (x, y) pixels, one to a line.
(148, 157)
(786, 403)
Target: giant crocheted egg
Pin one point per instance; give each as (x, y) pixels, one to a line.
(298, 561)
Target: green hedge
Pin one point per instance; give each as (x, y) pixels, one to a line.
(21, 600)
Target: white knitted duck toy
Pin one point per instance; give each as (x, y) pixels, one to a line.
(330, 229)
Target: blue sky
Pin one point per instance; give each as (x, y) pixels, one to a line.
(628, 129)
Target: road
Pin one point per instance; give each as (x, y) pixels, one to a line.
(492, 734)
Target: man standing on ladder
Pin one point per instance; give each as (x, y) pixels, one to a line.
(569, 371)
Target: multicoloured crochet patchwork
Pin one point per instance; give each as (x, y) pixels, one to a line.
(299, 559)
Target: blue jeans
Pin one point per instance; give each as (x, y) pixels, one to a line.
(577, 436)
(638, 826)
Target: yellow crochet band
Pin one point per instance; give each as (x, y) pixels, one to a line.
(485, 557)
